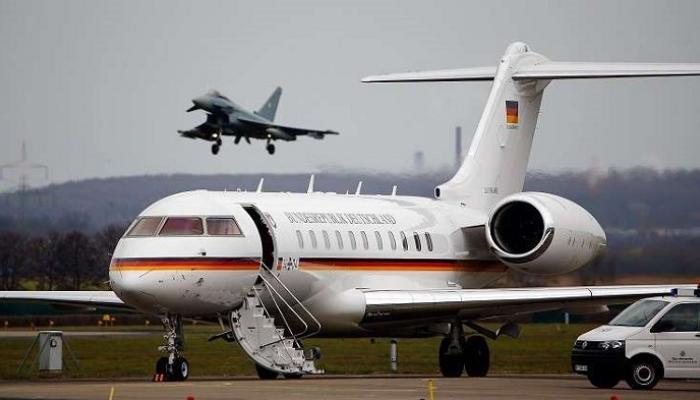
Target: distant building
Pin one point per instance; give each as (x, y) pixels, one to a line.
(418, 161)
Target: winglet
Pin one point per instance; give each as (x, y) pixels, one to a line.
(310, 189)
(359, 188)
(260, 186)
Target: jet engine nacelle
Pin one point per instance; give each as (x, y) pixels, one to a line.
(543, 234)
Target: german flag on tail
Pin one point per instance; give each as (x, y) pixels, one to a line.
(512, 113)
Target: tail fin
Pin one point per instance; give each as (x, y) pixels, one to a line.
(269, 109)
(496, 163)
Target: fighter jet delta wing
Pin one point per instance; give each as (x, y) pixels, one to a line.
(287, 133)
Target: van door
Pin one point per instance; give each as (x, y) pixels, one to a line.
(677, 336)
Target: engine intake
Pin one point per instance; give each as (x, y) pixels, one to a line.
(543, 234)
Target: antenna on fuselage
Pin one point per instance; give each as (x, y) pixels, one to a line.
(310, 189)
(260, 186)
(359, 188)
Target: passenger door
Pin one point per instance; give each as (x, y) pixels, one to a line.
(677, 336)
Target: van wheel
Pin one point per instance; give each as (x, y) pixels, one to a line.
(603, 379)
(644, 373)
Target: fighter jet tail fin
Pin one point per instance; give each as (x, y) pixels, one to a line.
(269, 109)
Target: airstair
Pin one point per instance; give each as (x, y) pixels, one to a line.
(270, 326)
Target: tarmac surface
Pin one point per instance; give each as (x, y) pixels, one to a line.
(341, 388)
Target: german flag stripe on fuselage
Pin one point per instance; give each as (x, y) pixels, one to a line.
(188, 263)
(309, 264)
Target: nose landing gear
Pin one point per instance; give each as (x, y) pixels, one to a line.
(174, 367)
(216, 146)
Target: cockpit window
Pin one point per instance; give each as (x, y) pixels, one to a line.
(145, 226)
(182, 226)
(223, 227)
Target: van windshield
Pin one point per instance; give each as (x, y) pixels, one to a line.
(639, 314)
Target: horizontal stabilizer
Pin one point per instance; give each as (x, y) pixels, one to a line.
(583, 70)
(445, 75)
(545, 70)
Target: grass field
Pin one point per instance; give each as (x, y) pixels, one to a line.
(542, 348)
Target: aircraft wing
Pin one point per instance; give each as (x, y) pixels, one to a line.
(286, 132)
(481, 304)
(79, 298)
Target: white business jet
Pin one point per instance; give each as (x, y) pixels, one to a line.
(275, 268)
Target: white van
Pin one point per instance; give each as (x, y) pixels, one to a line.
(654, 338)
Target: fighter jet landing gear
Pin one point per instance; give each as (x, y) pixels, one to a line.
(174, 367)
(457, 354)
(216, 146)
(270, 148)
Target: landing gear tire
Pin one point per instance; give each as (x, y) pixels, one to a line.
(451, 360)
(179, 370)
(270, 148)
(215, 149)
(603, 378)
(477, 357)
(643, 374)
(161, 366)
(264, 373)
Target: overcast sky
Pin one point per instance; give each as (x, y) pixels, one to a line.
(99, 88)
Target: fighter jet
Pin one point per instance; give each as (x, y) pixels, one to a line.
(226, 118)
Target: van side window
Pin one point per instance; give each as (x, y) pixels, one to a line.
(416, 238)
(353, 242)
(300, 239)
(682, 318)
(378, 236)
(392, 240)
(429, 241)
(145, 226)
(312, 235)
(404, 241)
(326, 240)
(223, 227)
(339, 239)
(182, 226)
(365, 242)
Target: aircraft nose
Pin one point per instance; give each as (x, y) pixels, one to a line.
(199, 103)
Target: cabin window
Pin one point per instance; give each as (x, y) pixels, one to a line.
(326, 240)
(312, 235)
(365, 242)
(380, 243)
(416, 238)
(300, 239)
(404, 241)
(223, 227)
(339, 238)
(182, 226)
(146, 226)
(429, 241)
(392, 240)
(353, 242)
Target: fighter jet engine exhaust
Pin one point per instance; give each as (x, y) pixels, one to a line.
(543, 234)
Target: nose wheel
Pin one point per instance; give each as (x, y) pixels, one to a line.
(216, 146)
(173, 367)
(270, 148)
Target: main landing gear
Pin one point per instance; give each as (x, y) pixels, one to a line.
(174, 367)
(457, 354)
(270, 148)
